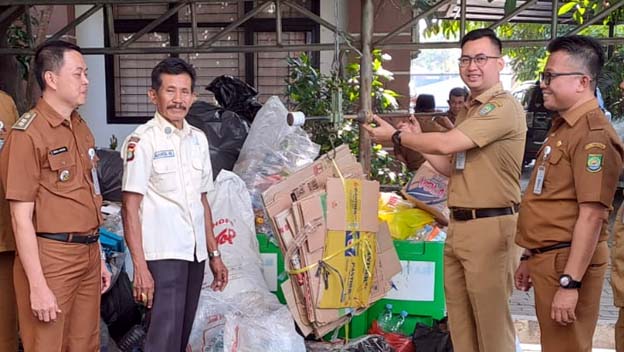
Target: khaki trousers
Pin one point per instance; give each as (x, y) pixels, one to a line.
(73, 273)
(8, 316)
(479, 258)
(617, 277)
(545, 269)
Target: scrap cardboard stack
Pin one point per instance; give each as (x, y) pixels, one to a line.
(339, 259)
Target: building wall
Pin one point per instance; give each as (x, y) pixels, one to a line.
(90, 33)
(387, 18)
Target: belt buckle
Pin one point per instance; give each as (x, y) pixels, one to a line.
(473, 214)
(70, 237)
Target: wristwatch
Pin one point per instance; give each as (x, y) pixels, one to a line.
(214, 254)
(566, 281)
(396, 138)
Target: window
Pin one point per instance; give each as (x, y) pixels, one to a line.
(128, 75)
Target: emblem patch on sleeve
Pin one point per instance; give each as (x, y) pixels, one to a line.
(130, 151)
(486, 109)
(594, 162)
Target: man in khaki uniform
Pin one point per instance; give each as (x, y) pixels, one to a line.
(617, 271)
(564, 212)
(8, 322)
(482, 156)
(47, 169)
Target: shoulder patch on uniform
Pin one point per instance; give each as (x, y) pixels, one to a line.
(486, 109)
(130, 151)
(589, 146)
(25, 120)
(594, 162)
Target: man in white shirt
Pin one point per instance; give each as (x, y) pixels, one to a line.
(166, 215)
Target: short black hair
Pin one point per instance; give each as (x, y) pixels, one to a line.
(172, 66)
(458, 92)
(49, 57)
(585, 50)
(425, 103)
(482, 33)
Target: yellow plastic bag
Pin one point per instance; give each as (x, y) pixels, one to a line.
(390, 203)
(405, 223)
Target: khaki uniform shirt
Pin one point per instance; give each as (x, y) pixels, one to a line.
(582, 158)
(8, 115)
(47, 162)
(496, 123)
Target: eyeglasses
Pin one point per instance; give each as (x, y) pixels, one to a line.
(546, 77)
(479, 60)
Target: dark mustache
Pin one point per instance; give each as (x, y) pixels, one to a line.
(176, 106)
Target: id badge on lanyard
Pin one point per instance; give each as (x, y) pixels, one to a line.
(460, 160)
(541, 172)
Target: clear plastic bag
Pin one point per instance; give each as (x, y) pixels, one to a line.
(272, 151)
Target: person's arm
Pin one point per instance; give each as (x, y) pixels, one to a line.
(584, 239)
(42, 300)
(219, 271)
(143, 283)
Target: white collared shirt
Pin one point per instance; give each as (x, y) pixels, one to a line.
(171, 168)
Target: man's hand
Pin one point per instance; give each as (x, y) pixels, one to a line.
(522, 278)
(564, 305)
(106, 277)
(220, 274)
(143, 290)
(43, 304)
(412, 125)
(382, 133)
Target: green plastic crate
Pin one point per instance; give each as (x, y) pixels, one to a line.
(272, 260)
(429, 258)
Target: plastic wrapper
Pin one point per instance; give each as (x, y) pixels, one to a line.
(272, 151)
(368, 343)
(406, 223)
(235, 95)
(226, 132)
(245, 316)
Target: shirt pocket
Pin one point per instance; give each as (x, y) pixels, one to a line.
(165, 176)
(556, 169)
(197, 169)
(63, 172)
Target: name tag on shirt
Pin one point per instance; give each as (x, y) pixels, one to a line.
(96, 181)
(460, 160)
(161, 154)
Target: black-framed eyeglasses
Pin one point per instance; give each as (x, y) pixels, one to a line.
(479, 60)
(546, 77)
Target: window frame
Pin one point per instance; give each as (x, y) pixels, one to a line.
(172, 27)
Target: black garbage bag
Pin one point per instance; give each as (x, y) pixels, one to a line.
(226, 132)
(119, 310)
(432, 339)
(235, 95)
(110, 171)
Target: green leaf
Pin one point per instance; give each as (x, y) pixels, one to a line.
(565, 8)
(510, 6)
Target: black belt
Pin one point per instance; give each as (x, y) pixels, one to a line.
(70, 237)
(462, 214)
(550, 248)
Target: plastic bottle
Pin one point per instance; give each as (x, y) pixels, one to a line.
(397, 323)
(385, 318)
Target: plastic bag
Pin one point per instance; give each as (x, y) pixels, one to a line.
(272, 151)
(110, 171)
(427, 190)
(235, 95)
(368, 343)
(226, 132)
(405, 223)
(432, 339)
(245, 316)
(399, 342)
